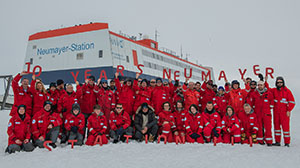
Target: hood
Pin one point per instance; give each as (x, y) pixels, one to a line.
(280, 78)
(75, 106)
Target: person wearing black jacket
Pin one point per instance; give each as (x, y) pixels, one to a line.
(145, 123)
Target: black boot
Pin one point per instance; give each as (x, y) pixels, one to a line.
(269, 145)
(115, 141)
(262, 143)
(276, 144)
(53, 145)
(287, 145)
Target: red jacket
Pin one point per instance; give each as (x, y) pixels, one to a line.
(143, 95)
(65, 103)
(236, 98)
(166, 116)
(21, 96)
(208, 95)
(117, 121)
(249, 124)
(75, 121)
(39, 98)
(220, 104)
(88, 97)
(180, 120)
(190, 97)
(40, 122)
(283, 100)
(262, 103)
(160, 94)
(53, 96)
(126, 96)
(212, 120)
(194, 123)
(250, 96)
(97, 124)
(18, 129)
(230, 122)
(107, 100)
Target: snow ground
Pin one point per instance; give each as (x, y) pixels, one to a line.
(156, 155)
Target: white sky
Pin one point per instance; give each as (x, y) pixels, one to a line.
(224, 34)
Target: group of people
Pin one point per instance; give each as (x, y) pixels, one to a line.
(145, 110)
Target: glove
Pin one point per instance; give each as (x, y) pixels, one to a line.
(216, 134)
(195, 136)
(261, 77)
(64, 110)
(120, 131)
(254, 138)
(100, 133)
(74, 129)
(243, 136)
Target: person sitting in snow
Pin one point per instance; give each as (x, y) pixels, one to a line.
(231, 126)
(145, 123)
(249, 125)
(19, 132)
(97, 126)
(74, 124)
(119, 122)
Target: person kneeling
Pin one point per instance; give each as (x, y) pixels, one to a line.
(74, 124)
(166, 122)
(97, 126)
(231, 126)
(194, 125)
(45, 126)
(19, 132)
(119, 122)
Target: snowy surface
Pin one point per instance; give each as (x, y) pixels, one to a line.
(155, 155)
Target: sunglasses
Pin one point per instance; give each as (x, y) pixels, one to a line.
(119, 107)
(253, 84)
(153, 82)
(279, 82)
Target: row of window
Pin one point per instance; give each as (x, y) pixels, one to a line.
(168, 60)
(161, 68)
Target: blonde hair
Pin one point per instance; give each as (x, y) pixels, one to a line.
(43, 87)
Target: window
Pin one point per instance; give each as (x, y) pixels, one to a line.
(127, 58)
(153, 45)
(31, 60)
(34, 47)
(100, 53)
(79, 56)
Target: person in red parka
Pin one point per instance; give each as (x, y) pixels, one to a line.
(119, 122)
(212, 123)
(160, 94)
(194, 125)
(231, 126)
(22, 94)
(106, 99)
(263, 102)
(74, 124)
(166, 122)
(236, 97)
(207, 93)
(19, 132)
(39, 95)
(284, 103)
(97, 126)
(45, 126)
(253, 86)
(220, 102)
(191, 96)
(53, 96)
(60, 89)
(249, 126)
(179, 115)
(126, 94)
(142, 93)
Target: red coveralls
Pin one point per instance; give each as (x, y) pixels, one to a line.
(160, 94)
(117, 121)
(107, 100)
(21, 97)
(232, 123)
(249, 126)
(190, 97)
(220, 104)
(283, 102)
(211, 121)
(262, 105)
(75, 121)
(168, 128)
(207, 95)
(180, 117)
(126, 96)
(143, 95)
(18, 129)
(88, 97)
(97, 125)
(194, 124)
(39, 98)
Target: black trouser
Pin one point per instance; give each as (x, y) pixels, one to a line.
(51, 135)
(113, 134)
(151, 131)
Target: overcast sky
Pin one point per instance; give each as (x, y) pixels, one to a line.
(223, 34)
